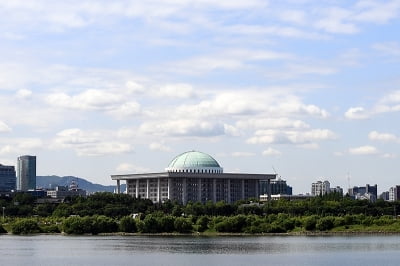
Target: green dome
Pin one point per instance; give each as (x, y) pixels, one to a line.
(194, 160)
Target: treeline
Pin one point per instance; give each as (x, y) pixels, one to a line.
(109, 213)
(161, 223)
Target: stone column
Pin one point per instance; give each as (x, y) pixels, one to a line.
(214, 189)
(169, 188)
(137, 188)
(242, 188)
(269, 189)
(158, 190)
(257, 192)
(147, 188)
(184, 191)
(118, 186)
(229, 190)
(199, 191)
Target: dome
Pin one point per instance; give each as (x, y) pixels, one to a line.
(194, 162)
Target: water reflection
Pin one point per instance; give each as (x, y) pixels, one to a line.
(200, 250)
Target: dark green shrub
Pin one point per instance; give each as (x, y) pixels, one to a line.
(51, 228)
(167, 223)
(202, 223)
(325, 223)
(103, 224)
(151, 224)
(128, 225)
(310, 222)
(25, 226)
(183, 225)
(78, 225)
(2, 230)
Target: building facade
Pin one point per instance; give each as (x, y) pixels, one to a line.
(26, 173)
(193, 176)
(7, 178)
(277, 187)
(394, 193)
(368, 189)
(320, 188)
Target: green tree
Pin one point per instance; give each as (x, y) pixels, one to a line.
(127, 224)
(183, 225)
(25, 226)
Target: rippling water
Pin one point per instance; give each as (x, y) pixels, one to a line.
(189, 250)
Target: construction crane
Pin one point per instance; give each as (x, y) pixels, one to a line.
(279, 177)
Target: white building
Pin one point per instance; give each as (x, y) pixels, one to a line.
(394, 193)
(193, 176)
(320, 188)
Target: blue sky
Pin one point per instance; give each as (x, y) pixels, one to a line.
(310, 88)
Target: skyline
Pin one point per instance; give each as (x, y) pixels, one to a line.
(95, 88)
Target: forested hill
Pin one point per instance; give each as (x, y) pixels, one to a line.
(51, 181)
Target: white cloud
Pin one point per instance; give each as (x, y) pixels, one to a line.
(271, 123)
(389, 156)
(251, 102)
(337, 20)
(291, 137)
(177, 91)
(4, 127)
(190, 128)
(271, 152)
(363, 150)
(356, 113)
(298, 17)
(385, 137)
(243, 154)
(226, 60)
(129, 168)
(90, 143)
(24, 94)
(18, 146)
(135, 87)
(156, 146)
(91, 99)
(126, 109)
(388, 49)
(377, 11)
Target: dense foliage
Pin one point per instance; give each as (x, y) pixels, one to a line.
(108, 213)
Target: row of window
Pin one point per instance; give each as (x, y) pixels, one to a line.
(199, 171)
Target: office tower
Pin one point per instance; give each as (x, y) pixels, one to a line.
(26, 173)
(7, 178)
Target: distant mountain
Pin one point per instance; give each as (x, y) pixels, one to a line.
(52, 181)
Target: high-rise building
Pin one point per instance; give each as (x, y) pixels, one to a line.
(368, 189)
(320, 188)
(7, 178)
(278, 187)
(394, 193)
(26, 173)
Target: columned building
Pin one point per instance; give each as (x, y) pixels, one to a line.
(26, 173)
(193, 176)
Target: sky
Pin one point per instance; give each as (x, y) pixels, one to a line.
(306, 89)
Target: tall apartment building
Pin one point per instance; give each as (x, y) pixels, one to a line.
(394, 193)
(320, 188)
(368, 189)
(278, 187)
(26, 173)
(7, 178)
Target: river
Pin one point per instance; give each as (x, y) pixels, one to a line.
(191, 250)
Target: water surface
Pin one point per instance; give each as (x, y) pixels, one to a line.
(190, 250)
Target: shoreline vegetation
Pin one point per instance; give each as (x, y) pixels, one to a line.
(120, 214)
